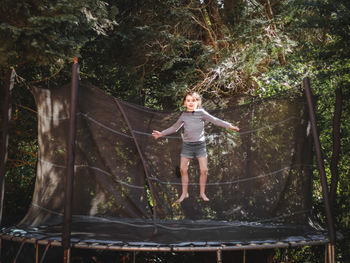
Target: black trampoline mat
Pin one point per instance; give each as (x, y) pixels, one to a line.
(165, 233)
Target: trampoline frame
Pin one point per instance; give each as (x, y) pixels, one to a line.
(67, 243)
(329, 248)
(127, 247)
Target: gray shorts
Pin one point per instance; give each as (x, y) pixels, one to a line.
(194, 149)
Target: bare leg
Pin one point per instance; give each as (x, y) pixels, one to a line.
(203, 166)
(184, 162)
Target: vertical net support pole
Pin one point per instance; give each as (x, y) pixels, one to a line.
(6, 116)
(67, 220)
(320, 163)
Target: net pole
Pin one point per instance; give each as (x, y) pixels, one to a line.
(67, 220)
(320, 163)
(6, 116)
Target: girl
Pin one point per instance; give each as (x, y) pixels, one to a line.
(193, 140)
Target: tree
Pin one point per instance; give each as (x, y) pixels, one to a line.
(44, 33)
(37, 38)
(150, 52)
(320, 29)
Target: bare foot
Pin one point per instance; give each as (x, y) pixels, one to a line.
(204, 197)
(182, 197)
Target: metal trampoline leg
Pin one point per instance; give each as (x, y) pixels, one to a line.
(44, 254)
(19, 251)
(66, 255)
(133, 256)
(331, 256)
(244, 255)
(219, 256)
(36, 252)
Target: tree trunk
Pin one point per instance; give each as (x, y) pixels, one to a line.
(213, 25)
(269, 13)
(229, 6)
(217, 25)
(6, 116)
(336, 145)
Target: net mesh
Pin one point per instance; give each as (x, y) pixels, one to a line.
(126, 179)
(261, 173)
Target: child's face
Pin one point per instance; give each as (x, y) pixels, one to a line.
(190, 103)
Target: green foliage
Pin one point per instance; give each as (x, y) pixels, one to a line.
(280, 79)
(156, 57)
(320, 29)
(151, 52)
(48, 32)
(22, 156)
(158, 49)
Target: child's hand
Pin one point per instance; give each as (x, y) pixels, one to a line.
(157, 134)
(235, 128)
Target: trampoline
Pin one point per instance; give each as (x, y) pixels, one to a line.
(126, 183)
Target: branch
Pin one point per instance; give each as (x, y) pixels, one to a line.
(26, 108)
(20, 163)
(47, 78)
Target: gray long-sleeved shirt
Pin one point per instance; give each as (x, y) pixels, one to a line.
(193, 123)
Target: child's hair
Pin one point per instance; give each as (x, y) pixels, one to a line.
(196, 96)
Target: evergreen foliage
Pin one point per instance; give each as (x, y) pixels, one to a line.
(41, 33)
(151, 52)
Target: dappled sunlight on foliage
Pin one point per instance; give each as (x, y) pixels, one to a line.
(151, 53)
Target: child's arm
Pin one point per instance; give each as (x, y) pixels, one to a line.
(174, 128)
(218, 122)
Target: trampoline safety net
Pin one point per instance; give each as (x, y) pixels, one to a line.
(126, 182)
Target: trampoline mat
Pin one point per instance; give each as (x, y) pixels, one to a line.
(180, 233)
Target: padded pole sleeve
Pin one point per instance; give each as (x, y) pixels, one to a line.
(6, 116)
(66, 232)
(320, 163)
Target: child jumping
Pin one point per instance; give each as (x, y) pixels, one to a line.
(193, 140)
